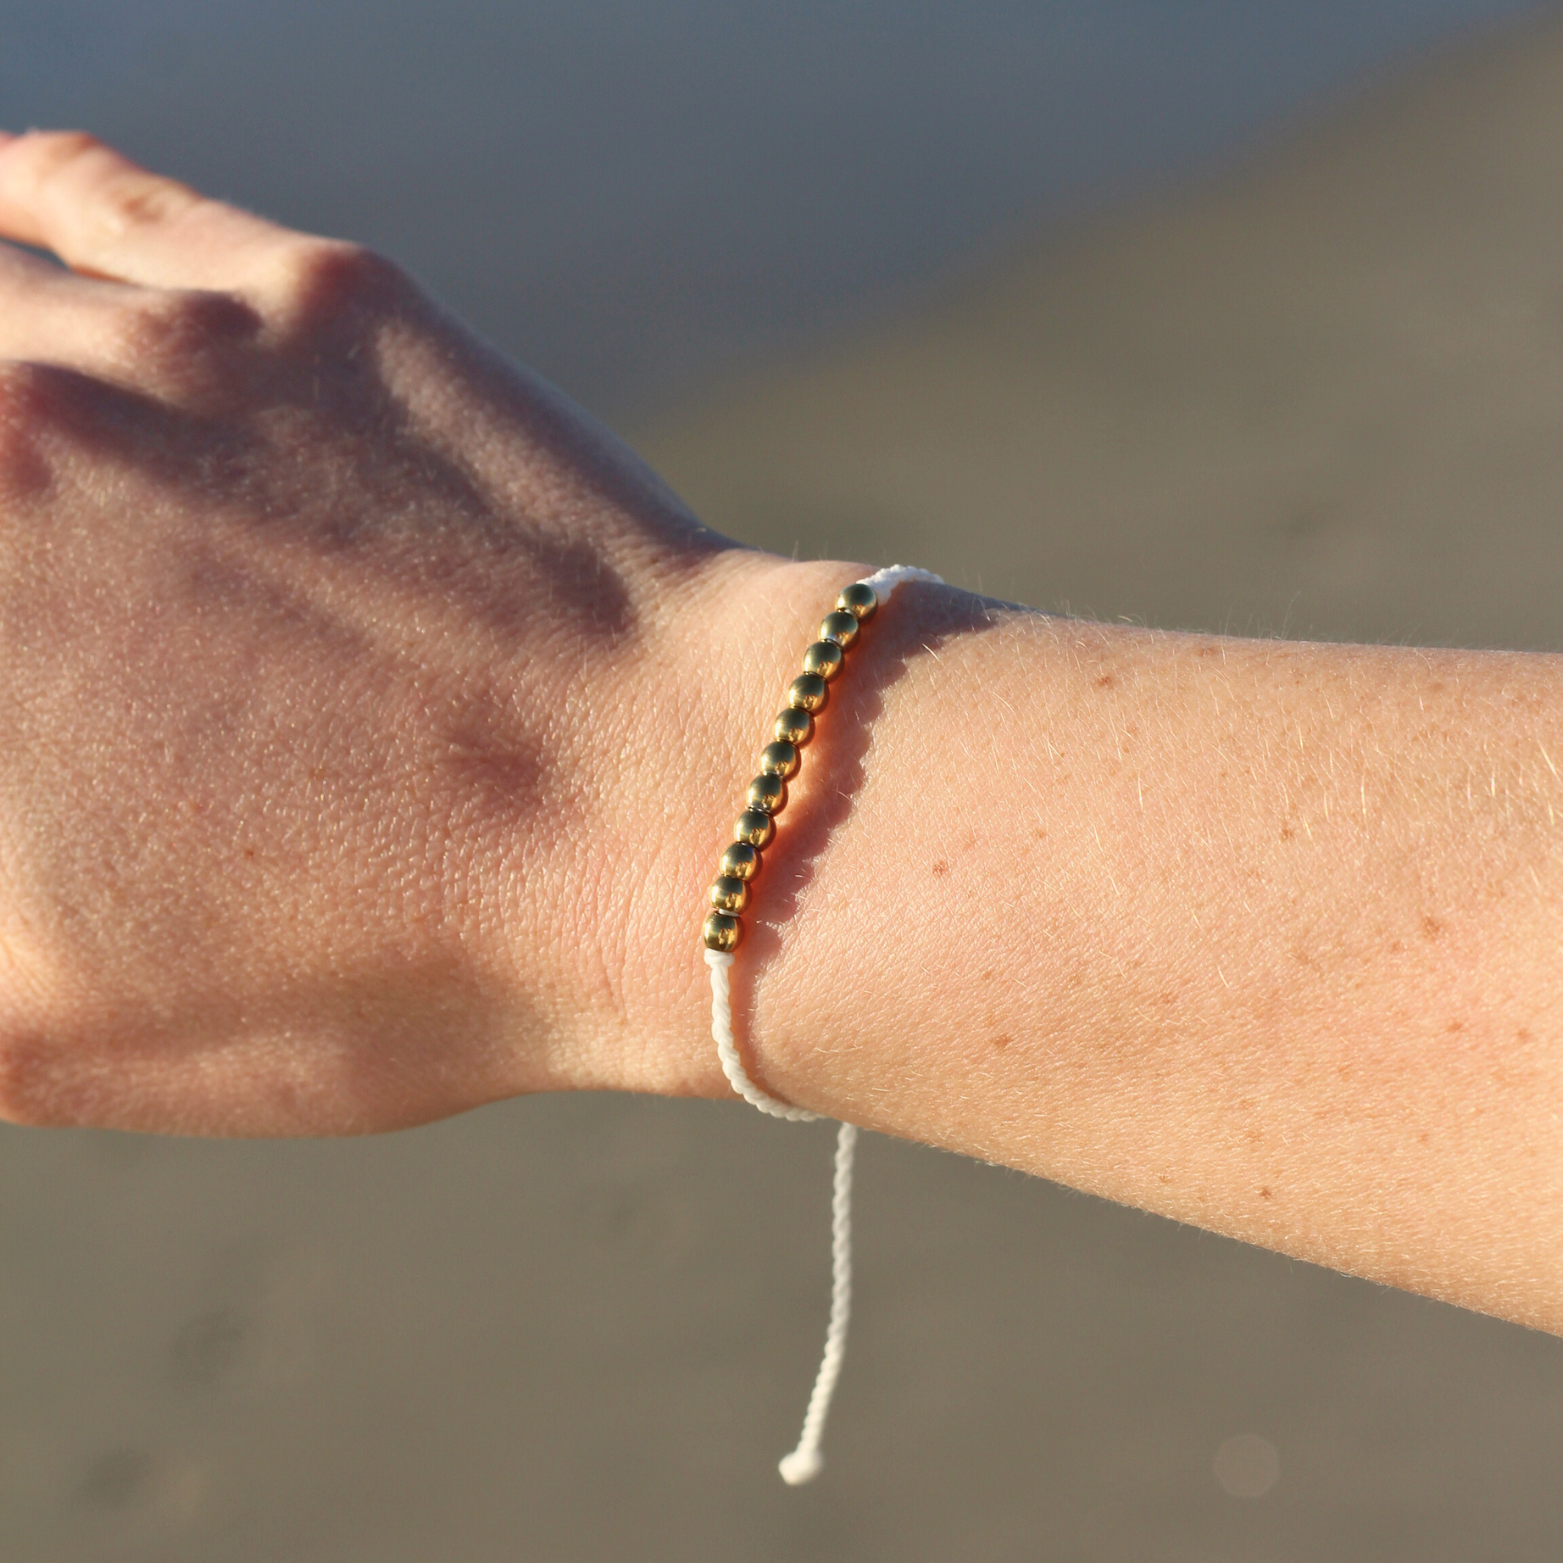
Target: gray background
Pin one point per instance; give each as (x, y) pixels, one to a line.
(1208, 314)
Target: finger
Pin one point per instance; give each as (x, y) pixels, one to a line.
(105, 216)
(49, 315)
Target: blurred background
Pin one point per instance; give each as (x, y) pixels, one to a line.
(1220, 315)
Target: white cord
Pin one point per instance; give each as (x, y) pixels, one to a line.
(806, 1462)
(720, 963)
(885, 581)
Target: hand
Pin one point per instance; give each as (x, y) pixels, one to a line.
(366, 737)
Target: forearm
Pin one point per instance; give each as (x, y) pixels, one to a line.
(1258, 935)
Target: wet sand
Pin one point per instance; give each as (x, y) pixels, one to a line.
(1321, 394)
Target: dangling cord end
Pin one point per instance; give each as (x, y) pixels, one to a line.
(806, 1462)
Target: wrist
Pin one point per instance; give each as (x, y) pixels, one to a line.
(600, 924)
(802, 964)
(746, 638)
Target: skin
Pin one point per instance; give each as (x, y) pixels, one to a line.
(373, 721)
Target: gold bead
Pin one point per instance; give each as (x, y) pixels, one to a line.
(779, 759)
(767, 794)
(739, 861)
(840, 627)
(729, 894)
(808, 692)
(722, 931)
(794, 726)
(859, 600)
(755, 829)
(824, 658)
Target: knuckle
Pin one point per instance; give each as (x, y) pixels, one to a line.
(319, 281)
(132, 198)
(169, 332)
(120, 194)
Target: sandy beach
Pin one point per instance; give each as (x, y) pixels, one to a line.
(1318, 395)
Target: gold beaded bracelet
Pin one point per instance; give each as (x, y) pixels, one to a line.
(723, 932)
(780, 759)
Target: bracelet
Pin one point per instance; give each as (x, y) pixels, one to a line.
(722, 933)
